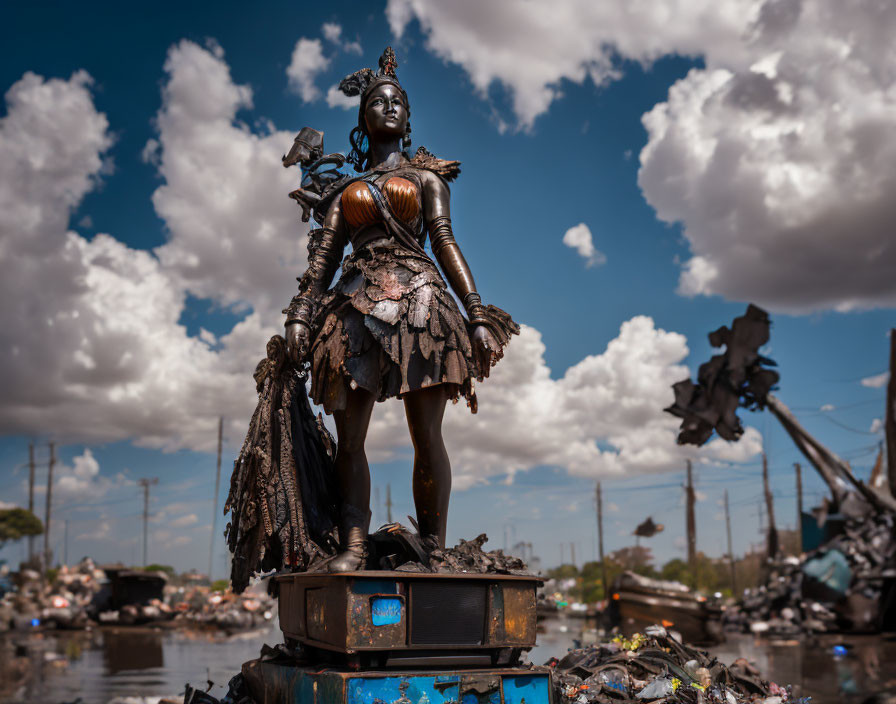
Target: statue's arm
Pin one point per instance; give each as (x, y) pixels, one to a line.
(324, 254)
(437, 212)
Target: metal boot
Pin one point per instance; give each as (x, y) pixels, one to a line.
(353, 536)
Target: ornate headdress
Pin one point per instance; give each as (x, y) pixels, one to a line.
(362, 83)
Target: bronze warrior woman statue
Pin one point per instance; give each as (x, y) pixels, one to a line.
(389, 327)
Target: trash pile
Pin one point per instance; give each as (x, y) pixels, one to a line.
(394, 547)
(225, 610)
(847, 584)
(63, 604)
(85, 595)
(655, 666)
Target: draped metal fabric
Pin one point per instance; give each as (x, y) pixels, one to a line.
(283, 496)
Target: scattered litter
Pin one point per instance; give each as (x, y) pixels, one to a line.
(653, 667)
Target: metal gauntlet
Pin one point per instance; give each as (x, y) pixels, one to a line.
(452, 261)
(325, 248)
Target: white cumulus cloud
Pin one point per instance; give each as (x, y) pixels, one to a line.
(307, 62)
(776, 158)
(579, 238)
(877, 381)
(337, 99)
(96, 351)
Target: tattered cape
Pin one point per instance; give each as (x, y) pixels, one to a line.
(283, 497)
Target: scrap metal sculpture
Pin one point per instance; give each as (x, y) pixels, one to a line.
(389, 328)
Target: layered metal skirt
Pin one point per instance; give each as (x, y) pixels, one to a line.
(391, 326)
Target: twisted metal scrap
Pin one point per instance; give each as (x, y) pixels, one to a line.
(282, 501)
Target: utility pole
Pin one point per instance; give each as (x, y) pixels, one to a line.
(572, 552)
(377, 507)
(388, 503)
(30, 496)
(890, 417)
(730, 549)
(770, 506)
(65, 542)
(600, 541)
(799, 502)
(49, 506)
(146, 483)
(211, 549)
(691, 522)
(561, 554)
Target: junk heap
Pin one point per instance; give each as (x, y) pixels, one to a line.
(847, 584)
(83, 595)
(655, 666)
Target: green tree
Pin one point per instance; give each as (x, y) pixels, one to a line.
(18, 523)
(167, 569)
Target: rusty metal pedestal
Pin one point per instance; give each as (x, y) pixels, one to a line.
(275, 682)
(404, 638)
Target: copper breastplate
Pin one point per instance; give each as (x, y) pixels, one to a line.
(359, 207)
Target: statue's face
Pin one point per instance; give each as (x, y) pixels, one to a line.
(385, 113)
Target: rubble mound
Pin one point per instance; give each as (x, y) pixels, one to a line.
(394, 547)
(836, 587)
(655, 666)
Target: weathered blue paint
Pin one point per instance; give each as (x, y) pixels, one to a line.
(526, 689)
(385, 611)
(420, 689)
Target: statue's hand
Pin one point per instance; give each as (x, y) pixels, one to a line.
(486, 350)
(298, 339)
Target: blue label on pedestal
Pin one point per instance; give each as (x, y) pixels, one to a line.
(385, 611)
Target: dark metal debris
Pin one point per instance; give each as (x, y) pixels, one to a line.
(654, 667)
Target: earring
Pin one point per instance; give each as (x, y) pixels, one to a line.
(406, 140)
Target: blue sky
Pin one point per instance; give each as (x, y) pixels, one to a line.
(751, 179)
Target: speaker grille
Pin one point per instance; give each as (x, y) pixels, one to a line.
(443, 613)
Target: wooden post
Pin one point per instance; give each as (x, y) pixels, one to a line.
(211, 549)
(572, 552)
(691, 522)
(146, 483)
(730, 550)
(388, 503)
(600, 542)
(49, 507)
(770, 507)
(31, 496)
(799, 502)
(890, 417)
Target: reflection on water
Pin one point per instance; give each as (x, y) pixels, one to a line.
(817, 668)
(105, 664)
(140, 650)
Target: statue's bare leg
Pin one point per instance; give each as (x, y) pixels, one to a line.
(432, 470)
(353, 474)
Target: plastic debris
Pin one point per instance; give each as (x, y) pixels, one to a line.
(654, 667)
